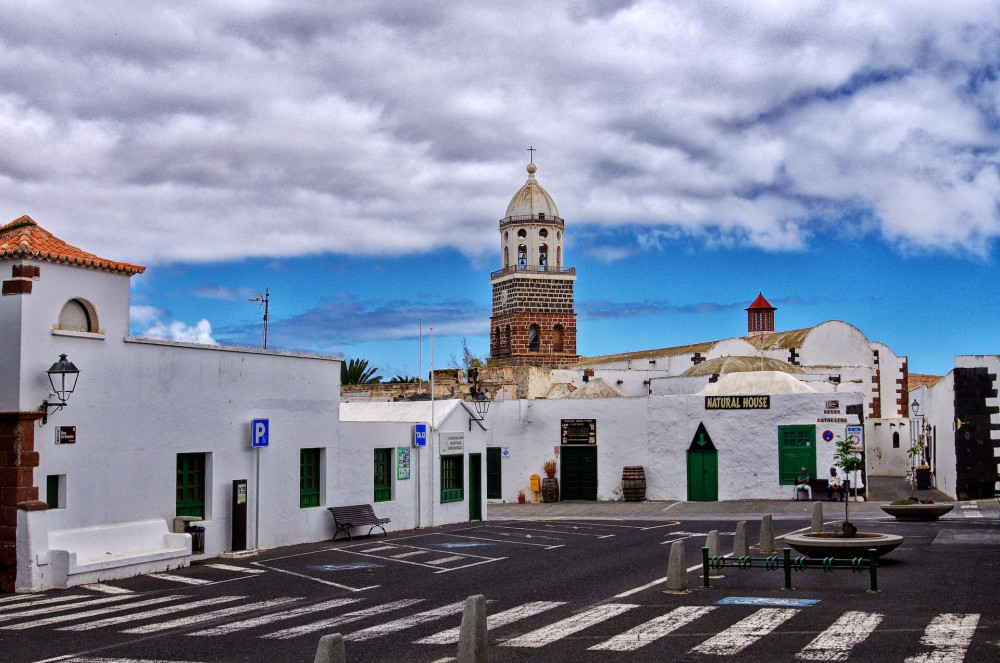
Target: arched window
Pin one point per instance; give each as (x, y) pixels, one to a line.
(543, 233)
(557, 338)
(543, 256)
(506, 256)
(506, 338)
(78, 315)
(895, 439)
(534, 343)
(522, 256)
(522, 233)
(558, 257)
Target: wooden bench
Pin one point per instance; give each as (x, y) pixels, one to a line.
(358, 515)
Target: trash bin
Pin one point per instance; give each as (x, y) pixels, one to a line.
(923, 478)
(197, 533)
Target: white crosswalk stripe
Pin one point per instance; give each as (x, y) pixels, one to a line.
(181, 579)
(264, 620)
(327, 624)
(77, 616)
(570, 625)
(243, 608)
(950, 636)
(237, 569)
(101, 588)
(49, 607)
(149, 614)
(745, 632)
(836, 642)
(406, 622)
(653, 630)
(450, 636)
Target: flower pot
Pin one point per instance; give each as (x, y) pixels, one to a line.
(833, 544)
(520, 499)
(923, 512)
(551, 475)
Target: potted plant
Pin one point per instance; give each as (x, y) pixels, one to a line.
(550, 468)
(848, 460)
(520, 496)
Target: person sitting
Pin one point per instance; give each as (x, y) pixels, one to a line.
(802, 483)
(835, 485)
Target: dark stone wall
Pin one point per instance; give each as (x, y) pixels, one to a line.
(975, 459)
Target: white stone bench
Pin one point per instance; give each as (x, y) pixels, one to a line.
(119, 550)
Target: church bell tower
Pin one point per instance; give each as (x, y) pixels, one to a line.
(533, 321)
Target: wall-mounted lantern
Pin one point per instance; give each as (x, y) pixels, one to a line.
(62, 377)
(482, 404)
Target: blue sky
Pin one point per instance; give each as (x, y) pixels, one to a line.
(355, 159)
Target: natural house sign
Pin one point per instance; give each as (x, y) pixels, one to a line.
(737, 402)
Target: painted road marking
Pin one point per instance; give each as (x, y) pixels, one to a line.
(836, 642)
(329, 583)
(653, 630)
(755, 600)
(149, 614)
(462, 544)
(406, 622)
(745, 632)
(106, 589)
(238, 569)
(378, 549)
(547, 546)
(75, 616)
(450, 636)
(263, 620)
(180, 622)
(6, 617)
(569, 626)
(445, 560)
(431, 564)
(949, 635)
(329, 623)
(347, 567)
(23, 601)
(181, 579)
(412, 553)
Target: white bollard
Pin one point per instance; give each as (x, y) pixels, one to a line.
(817, 520)
(741, 546)
(473, 645)
(712, 543)
(767, 534)
(330, 649)
(677, 575)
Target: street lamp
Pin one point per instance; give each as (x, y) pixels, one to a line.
(482, 404)
(62, 378)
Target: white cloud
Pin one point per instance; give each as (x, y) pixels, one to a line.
(201, 132)
(176, 330)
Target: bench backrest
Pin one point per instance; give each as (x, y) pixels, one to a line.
(355, 512)
(116, 538)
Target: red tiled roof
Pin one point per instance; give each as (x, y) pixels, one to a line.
(23, 238)
(760, 302)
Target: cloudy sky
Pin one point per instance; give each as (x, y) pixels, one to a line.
(355, 158)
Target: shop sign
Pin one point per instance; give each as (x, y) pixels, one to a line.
(452, 443)
(737, 402)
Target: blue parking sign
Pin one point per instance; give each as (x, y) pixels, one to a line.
(258, 433)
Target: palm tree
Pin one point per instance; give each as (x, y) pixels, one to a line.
(357, 372)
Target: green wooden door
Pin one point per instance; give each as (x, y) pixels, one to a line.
(578, 472)
(703, 475)
(475, 487)
(494, 486)
(796, 449)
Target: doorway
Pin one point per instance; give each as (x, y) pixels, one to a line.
(579, 472)
(475, 487)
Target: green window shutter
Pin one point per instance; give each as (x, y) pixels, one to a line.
(452, 487)
(309, 460)
(383, 480)
(191, 485)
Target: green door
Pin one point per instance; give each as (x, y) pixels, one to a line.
(703, 475)
(475, 487)
(796, 449)
(578, 472)
(494, 487)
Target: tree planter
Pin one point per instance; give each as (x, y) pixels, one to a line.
(834, 544)
(924, 512)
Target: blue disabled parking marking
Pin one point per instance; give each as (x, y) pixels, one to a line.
(463, 544)
(346, 567)
(752, 600)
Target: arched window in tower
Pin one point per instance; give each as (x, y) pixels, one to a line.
(505, 343)
(522, 256)
(543, 233)
(558, 257)
(557, 338)
(534, 343)
(543, 256)
(506, 256)
(522, 234)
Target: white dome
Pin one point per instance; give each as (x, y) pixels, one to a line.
(532, 200)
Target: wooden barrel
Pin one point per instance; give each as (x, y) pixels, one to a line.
(634, 483)
(550, 490)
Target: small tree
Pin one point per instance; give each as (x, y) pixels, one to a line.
(847, 458)
(357, 371)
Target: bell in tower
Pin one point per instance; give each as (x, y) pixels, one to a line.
(533, 321)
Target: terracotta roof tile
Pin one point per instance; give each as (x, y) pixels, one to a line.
(23, 238)
(760, 303)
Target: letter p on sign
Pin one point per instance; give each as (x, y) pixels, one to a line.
(258, 433)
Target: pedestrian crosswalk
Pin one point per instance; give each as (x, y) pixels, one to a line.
(715, 631)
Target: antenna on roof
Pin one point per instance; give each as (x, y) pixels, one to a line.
(264, 300)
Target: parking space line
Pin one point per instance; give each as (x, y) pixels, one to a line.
(547, 546)
(319, 580)
(410, 554)
(445, 560)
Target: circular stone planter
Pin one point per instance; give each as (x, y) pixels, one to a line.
(832, 545)
(916, 511)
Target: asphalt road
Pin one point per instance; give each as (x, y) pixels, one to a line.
(557, 590)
